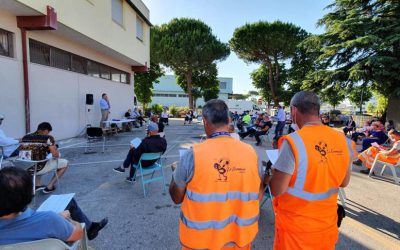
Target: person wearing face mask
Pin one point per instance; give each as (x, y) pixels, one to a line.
(313, 163)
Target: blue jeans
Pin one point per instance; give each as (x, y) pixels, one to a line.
(77, 214)
(279, 128)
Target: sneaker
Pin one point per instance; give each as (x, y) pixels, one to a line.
(48, 191)
(95, 228)
(119, 170)
(40, 187)
(258, 143)
(357, 162)
(130, 180)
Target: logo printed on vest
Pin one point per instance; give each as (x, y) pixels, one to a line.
(222, 166)
(322, 148)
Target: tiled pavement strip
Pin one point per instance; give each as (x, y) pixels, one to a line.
(372, 220)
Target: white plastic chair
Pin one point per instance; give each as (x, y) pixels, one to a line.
(53, 244)
(385, 164)
(30, 163)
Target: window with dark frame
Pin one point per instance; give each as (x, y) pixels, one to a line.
(93, 69)
(60, 59)
(44, 54)
(39, 52)
(79, 64)
(6, 43)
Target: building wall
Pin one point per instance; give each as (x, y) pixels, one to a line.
(168, 85)
(181, 101)
(93, 19)
(11, 82)
(57, 96)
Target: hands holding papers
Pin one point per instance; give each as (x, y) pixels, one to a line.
(272, 155)
(136, 142)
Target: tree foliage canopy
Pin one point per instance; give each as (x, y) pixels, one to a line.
(361, 44)
(268, 44)
(143, 81)
(359, 95)
(204, 81)
(186, 46)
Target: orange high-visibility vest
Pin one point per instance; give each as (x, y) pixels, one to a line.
(221, 204)
(322, 157)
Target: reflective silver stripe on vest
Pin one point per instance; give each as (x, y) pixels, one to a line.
(214, 224)
(302, 161)
(222, 197)
(312, 196)
(298, 189)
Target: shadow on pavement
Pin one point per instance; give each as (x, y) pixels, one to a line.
(373, 219)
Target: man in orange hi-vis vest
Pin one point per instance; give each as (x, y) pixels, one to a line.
(219, 185)
(313, 163)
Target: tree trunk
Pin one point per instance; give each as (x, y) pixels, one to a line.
(271, 82)
(189, 88)
(277, 73)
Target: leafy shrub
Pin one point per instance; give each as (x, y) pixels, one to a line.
(157, 109)
(173, 110)
(182, 111)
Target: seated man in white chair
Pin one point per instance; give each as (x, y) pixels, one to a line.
(9, 144)
(39, 146)
(19, 223)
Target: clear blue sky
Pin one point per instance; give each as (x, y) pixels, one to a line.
(223, 16)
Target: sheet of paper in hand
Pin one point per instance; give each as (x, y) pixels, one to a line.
(136, 142)
(56, 203)
(272, 155)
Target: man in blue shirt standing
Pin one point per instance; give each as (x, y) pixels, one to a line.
(19, 223)
(281, 118)
(105, 109)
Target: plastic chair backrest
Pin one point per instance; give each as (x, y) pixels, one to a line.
(94, 132)
(53, 244)
(150, 156)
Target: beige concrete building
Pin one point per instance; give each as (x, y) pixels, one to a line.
(53, 53)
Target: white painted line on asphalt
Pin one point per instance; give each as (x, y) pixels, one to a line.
(93, 162)
(69, 146)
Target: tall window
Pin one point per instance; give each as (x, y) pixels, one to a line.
(117, 11)
(139, 28)
(6, 43)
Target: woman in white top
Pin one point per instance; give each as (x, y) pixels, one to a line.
(165, 116)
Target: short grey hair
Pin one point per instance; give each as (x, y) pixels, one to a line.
(307, 102)
(216, 112)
